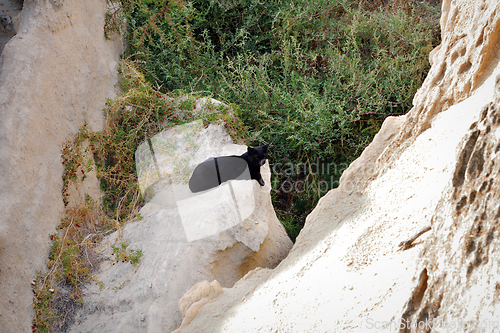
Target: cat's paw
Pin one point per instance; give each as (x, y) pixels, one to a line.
(261, 182)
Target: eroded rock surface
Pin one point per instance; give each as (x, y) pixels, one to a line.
(459, 281)
(57, 72)
(197, 296)
(146, 298)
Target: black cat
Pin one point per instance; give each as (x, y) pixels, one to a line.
(218, 170)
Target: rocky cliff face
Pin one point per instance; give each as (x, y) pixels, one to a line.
(57, 72)
(436, 166)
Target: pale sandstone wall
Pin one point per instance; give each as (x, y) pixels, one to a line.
(467, 56)
(57, 73)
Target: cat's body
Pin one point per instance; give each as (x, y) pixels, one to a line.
(215, 171)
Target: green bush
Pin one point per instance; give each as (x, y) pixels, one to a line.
(314, 78)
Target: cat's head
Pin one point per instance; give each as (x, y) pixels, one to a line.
(258, 155)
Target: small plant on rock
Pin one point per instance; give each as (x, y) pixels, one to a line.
(72, 260)
(124, 254)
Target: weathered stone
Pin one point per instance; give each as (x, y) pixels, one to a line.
(173, 262)
(199, 295)
(57, 72)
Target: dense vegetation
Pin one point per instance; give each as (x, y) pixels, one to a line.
(313, 78)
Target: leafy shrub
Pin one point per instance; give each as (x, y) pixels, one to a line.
(140, 113)
(314, 78)
(73, 258)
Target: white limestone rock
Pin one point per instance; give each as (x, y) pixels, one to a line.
(149, 294)
(56, 73)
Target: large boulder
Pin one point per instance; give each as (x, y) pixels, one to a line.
(185, 239)
(437, 166)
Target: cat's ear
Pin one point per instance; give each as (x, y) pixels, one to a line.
(250, 149)
(266, 146)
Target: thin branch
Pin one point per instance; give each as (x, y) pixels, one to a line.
(406, 244)
(59, 256)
